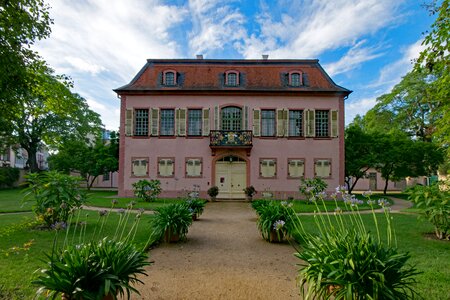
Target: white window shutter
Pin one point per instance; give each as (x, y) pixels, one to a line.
(216, 118)
(155, 122)
(334, 123)
(256, 122)
(129, 122)
(245, 118)
(310, 124)
(205, 127)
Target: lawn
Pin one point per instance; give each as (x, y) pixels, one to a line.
(18, 266)
(11, 201)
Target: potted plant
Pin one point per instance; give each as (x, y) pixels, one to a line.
(95, 270)
(275, 221)
(171, 223)
(196, 207)
(249, 192)
(213, 192)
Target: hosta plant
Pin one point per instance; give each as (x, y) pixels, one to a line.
(171, 222)
(347, 261)
(275, 221)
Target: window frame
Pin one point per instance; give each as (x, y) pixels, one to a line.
(141, 119)
(233, 119)
(227, 79)
(188, 132)
(187, 159)
(295, 83)
(164, 79)
(302, 123)
(261, 160)
(140, 158)
(319, 124)
(158, 171)
(161, 119)
(330, 162)
(274, 127)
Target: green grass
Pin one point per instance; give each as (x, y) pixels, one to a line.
(18, 267)
(11, 201)
(430, 256)
(104, 198)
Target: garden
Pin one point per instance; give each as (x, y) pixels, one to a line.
(401, 256)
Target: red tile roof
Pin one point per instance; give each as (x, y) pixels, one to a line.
(207, 75)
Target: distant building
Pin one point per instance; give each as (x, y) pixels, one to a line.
(231, 123)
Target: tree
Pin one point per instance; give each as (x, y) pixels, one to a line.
(398, 157)
(90, 159)
(48, 113)
(436, 58)
(360, 154)
(22, 22)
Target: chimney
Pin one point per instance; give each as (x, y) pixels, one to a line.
(199, 56)
(265, 56)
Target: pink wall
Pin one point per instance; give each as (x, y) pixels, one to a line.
(279, 148)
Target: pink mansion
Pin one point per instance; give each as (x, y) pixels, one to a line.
(231, 123)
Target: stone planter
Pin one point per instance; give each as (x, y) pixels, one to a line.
(171, 237)
(194, 217)
(276, 236)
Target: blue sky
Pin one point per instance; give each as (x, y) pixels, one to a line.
(364, 45)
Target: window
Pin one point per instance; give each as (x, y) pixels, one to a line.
(295, 79)
(106, 176)
(296, 123)
(139, 167)
(194, 167)
(166, 167)
(194, 122)
(231, 118)
(296, 168)
(268, 168)
(232, 78)
(141, 122)
(267, 122)
(167, 122)
(169, 78)
(321, 124)
(322, 168)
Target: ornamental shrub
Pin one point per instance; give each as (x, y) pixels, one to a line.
(8, 176)
(434, 202)
(56, 195)
(147, 190)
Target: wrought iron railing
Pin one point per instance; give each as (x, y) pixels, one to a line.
(230, 138)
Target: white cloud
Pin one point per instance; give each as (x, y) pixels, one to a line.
(353, 58)
(84, 66)
(358, 107)
(214, 26)
(313, 27)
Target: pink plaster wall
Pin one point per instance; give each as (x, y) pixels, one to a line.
(182, 147)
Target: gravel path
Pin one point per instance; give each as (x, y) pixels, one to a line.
(224, 258)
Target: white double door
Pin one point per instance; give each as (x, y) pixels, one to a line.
(231, 179)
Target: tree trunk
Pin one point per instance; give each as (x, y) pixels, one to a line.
(89, 185)
(386, 185)
(32, 158)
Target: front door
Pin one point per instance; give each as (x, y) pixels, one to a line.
(231, 176)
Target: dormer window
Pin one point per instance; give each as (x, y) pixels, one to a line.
(295, 78)
(169, 78)
(232, 78)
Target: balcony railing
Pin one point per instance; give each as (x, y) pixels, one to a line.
(230, 138)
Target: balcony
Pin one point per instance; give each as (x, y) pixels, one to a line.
(223, 139)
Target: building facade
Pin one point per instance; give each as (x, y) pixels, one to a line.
(231, 123)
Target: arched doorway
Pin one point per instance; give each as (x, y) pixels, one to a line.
(231, 177)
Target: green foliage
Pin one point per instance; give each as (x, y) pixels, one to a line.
(170, 221)
(147, 190)
(433, 201)
(89, 159)
(347, 261)
(213, 191)
(312, 186)
(92, 270)
(195, 206)
(56, 196)
(250, 191)
(258, 205)
(8, 176)
(275, 217)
